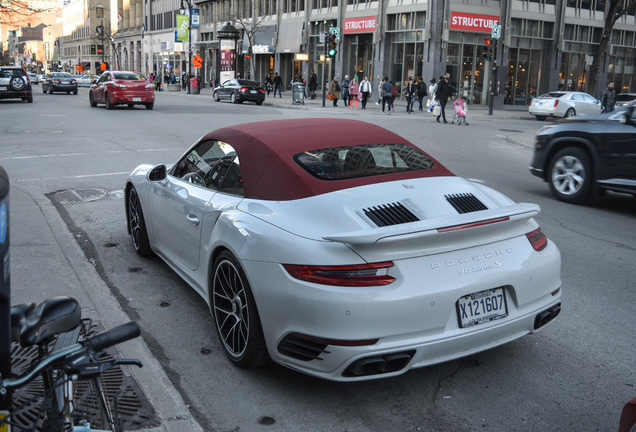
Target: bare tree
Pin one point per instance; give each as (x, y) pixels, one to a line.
(614, 9)
(16, 13)
(248, 17)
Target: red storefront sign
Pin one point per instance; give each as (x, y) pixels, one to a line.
(473, 22)
(359, 25)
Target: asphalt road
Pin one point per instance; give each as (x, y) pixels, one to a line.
(575, 375)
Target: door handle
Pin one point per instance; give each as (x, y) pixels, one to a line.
(192, 219)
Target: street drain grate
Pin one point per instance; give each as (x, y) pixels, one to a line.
(132, 406)
(78, 195)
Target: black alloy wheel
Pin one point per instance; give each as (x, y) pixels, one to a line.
(137, 224)
(234, 310)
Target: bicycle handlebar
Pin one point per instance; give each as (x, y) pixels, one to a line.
(114, 336)
(98, 342)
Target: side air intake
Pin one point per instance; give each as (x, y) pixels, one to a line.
(390, 214)
(465, 203)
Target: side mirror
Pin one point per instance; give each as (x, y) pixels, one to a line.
(158, 174)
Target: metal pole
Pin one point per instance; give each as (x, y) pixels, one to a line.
(493, 79)
(324, 71)
(189, 45)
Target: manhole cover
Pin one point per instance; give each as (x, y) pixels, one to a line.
(79, 195)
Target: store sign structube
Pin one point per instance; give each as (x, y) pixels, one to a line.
(359, 25)
(473, 22)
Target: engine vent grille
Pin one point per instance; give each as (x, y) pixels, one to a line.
(390, 214)
(301, 348)
(465, 203)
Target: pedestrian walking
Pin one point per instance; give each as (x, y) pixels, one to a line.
(608, 100)
(354, 92)
(365, 89)
(345, 90)
(380, 95)
(313, 84)
(421, 92)
(269, 84)
(387, 94)
(278, 85)
(442, 94)
(410, 93)
(183, 81)
(334, 89)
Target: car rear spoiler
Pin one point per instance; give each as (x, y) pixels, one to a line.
(434, 226)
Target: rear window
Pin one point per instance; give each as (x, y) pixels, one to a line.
(625, 97)
(552, 95)
(339, 163)
(129, 76)
(247, 83)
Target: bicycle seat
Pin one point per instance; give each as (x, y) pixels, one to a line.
(18, 318)
(53, 316)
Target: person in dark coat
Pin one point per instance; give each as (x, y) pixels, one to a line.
(421, 92)
(313, 84)
(443, 93)
(608, 100)
(278, 85)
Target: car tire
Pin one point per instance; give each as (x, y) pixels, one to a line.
(75, 92)
(234, 311)
(216, 98)
(150, 105)
(43, 90)
(259, 103)
(233, 98)
(570, 175)
(50, 90)
(570, 113)
(17, 83)
(91, 101)
(109, 105)
(29, 98)
(541, 118)
(137, 225)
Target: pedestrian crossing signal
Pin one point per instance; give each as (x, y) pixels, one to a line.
(332, 45)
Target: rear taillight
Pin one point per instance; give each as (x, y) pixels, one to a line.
(537, 239)
(244, 89)
(556, 102)
(361, 275)
(261, 90)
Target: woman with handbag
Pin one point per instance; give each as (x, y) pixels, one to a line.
(334, 91)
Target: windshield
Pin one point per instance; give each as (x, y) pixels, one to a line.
(552, 95)
(129, 76)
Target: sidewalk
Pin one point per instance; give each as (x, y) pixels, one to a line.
(285, 101)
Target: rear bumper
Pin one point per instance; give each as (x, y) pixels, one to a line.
(132, 98)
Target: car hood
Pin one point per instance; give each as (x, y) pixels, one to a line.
(406, 211)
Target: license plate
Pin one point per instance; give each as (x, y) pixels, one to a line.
(66, 82)
(136, 99)
(254, 91)
(482, 307)
(4, 427)
(3, 88)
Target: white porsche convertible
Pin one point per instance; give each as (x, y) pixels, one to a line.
(339, 249)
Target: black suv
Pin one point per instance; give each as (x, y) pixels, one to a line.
(15, 83)
(581, 156)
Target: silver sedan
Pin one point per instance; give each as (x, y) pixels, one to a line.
(563, 104)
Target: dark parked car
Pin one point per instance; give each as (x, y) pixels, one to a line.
(59, 82)
(240, 90)
(15, 84)
(581, 156)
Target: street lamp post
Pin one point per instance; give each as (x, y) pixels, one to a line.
(189, 40)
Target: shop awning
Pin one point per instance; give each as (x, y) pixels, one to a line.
(263, 41)
(290, 37)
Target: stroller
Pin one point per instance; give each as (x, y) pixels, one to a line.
(461, 107)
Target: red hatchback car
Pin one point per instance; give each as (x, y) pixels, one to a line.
(122, 88)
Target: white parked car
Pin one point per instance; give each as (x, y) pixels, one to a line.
(563, 104)
(33, 78)
(339, 249)
(84, 81)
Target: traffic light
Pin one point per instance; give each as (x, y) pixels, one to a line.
(332, 45)
(93, 49)
(100, 49)
(488, 47)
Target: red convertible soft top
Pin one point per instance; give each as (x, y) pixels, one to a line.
(266, 150)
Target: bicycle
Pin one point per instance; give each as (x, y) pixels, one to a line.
(69, 359)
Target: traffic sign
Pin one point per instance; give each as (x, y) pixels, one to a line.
(496, 32)
(335, 31)
(197, 61)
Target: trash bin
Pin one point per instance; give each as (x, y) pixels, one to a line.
(194, 86)
(298, 93)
